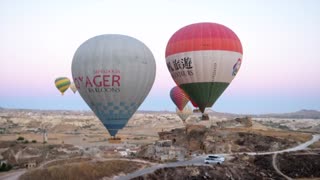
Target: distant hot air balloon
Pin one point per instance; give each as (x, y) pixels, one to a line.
(185, 113)
(203, 59)
(62, 84)
(113, 74)
(73, 87)
(179, 98)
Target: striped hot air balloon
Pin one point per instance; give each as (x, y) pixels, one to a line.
(179, 98)
(203, 59)
(62, 84)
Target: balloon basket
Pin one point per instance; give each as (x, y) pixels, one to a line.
(196, 111)
(205, 117)
(114, 140)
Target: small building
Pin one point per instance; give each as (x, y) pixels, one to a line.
(30, 165)
(127, 152)
(123, 153)
(165, 150)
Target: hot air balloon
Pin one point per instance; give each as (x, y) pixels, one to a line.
(203, 59)
(185, 113)
(179, 98)
(113, 74)
(73, 87)
(62, 84)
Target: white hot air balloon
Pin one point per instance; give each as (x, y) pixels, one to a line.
(73, 87)
(113, 74)
(185, 113)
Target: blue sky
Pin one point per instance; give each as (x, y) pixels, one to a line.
(279, 38)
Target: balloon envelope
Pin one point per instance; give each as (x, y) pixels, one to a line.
(179, 98)
(203, 59)
(73, 87)
(193, 103)
(185, 113)
(113, 74)
(62, 84)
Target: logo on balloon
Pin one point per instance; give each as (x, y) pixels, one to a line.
(103, 65)
(100, 81)
(180, 64)
(236, 67)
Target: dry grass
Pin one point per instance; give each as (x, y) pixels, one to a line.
(296, 136)
(83, 170)
(66, 161)
(315, 145)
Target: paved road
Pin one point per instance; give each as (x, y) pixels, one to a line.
(199, 159)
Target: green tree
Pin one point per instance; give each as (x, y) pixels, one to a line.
(3, 167)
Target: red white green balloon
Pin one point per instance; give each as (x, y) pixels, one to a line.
(193, 103)
(203, 59)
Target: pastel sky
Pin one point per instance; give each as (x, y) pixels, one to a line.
(281, 62)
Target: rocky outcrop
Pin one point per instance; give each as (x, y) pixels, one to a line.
(237, 122)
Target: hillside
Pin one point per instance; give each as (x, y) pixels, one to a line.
(302, 114)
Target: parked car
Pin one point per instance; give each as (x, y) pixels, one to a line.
(214, 159)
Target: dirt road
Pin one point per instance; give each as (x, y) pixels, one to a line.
(274, 164)
(302, 146)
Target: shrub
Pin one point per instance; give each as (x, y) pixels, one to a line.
(5, 167)
(34, 141)
(9, 167)
(26, 141)
(20, 138)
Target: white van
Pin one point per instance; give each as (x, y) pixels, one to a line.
(214, 159)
